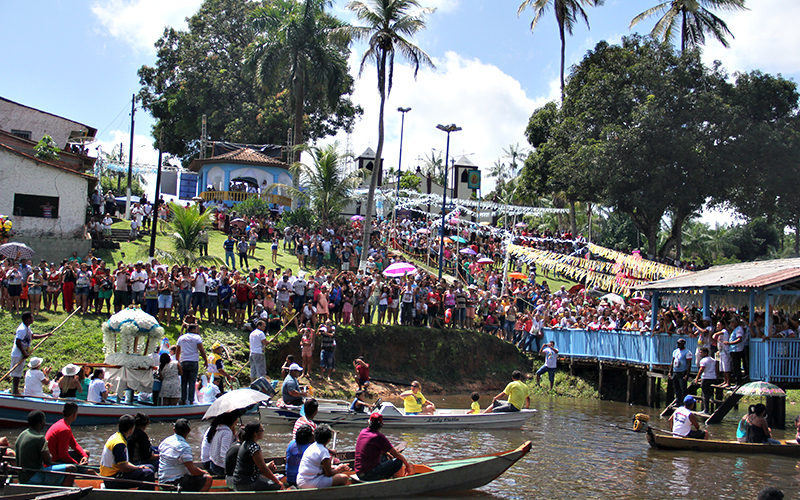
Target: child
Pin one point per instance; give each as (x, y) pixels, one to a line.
(358, 405)
(475, 407)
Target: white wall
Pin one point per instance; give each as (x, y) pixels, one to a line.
(23, 175)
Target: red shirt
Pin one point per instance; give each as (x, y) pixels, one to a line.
(60, 440)
(363, 371)
(370, 445)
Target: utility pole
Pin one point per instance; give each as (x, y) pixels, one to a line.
(130, 160)
(154, 224)
(400, 159)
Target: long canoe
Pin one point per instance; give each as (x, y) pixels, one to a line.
(342, 416)
(664, 442)
(448, 476)
(14, 411)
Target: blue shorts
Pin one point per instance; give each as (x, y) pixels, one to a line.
(326, 359)
(165, 301)
(211, 302)
(50, 479)
(84, 290)
(551, 372)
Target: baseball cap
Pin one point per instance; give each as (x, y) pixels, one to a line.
(376, 417)
(294, 367)
(681, 341)
(689, 399)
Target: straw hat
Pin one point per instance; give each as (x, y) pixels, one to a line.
(35, 362)
(70, 370)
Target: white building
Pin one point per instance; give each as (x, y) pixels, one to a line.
(31, 124)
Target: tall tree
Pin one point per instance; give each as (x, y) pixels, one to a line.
(568, 13)
(201, 71)
(695, 19)
(293, 51)
(324, 183)
(388, 27)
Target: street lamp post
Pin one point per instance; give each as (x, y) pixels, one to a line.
(445, 128)
(400, 159)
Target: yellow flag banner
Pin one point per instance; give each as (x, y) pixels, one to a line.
(636, 266)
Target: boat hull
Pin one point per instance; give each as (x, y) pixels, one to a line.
(443, 419)
(14, 411)
(448, 476)
(787, 449)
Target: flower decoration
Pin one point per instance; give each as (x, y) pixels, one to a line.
(121, 331)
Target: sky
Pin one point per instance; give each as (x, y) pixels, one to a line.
(78, 59)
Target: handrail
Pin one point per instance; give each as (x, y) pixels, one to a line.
(237, 196)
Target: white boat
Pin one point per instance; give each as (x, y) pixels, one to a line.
(339, 414)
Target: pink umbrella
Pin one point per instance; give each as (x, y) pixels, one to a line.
(400, 269)
(485, 260)
(468, 251)
(357, 217)
(424, 231)
(521, 224)
(454, 221)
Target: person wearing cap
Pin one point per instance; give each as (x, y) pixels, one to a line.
(290, 389)
(373, 452)
(35, 378)
(679, 369)
(215, 366)
(683, 419)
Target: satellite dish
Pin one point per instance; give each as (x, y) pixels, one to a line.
(81, 140)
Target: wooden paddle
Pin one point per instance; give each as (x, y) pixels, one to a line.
(38, 344)
(92, 476)
(235, 375)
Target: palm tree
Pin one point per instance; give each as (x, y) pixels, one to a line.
(695, 19)
(325, 184)
(185, 226)
(567, 14)
(388, 25)
(433, 165)
(296, 50)
(514, 151)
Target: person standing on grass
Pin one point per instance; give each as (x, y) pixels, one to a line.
(550, 354)
(229, 245)
(242, 246)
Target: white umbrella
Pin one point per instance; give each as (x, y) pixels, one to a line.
(234, 401)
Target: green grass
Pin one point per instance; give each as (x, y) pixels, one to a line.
(565, 385)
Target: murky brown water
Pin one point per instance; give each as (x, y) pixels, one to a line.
(577, 453)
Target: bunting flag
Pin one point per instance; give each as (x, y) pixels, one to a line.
(635, 265)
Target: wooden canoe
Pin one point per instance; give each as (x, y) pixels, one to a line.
(665, 442)
(448, 476)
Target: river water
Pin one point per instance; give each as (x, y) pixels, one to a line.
(577, 453)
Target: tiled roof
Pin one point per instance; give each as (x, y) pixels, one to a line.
(759, 274)
(90, 178)
(244, 156)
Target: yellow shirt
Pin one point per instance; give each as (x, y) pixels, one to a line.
(475, 407)
(108, 462)
(413, 402)
(516, 391)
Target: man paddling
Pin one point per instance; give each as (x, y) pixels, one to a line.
(21, 350)
(683, 420)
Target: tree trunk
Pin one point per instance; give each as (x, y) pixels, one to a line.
(373, 183)
(563, 50)
(573, 226)
(797, 239)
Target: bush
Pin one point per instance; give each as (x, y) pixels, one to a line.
(301, 216)
(253, 207)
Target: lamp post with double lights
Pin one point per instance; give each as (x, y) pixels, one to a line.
(445, 128)
(400, 159)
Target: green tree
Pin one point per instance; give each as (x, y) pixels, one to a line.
(201, 71)
(757, 239)
(433, 165)
(185, 226)
(388, 26)
(253, 207)
(567, 14)
(47, 149)
(324, 184)
(293, 51)
(695, 20)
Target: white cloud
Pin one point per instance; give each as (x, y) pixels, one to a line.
(140, 23)
(490, 106)
(765, 39)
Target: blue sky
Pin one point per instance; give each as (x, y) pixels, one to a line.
(78, 59)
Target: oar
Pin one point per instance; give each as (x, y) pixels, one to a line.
(7, 467)
(38, 344)
(235, 375)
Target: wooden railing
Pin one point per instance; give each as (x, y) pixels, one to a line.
(237, 196)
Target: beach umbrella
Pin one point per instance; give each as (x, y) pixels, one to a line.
(454, 221)
(423, 230)
(517, 276)
(760, 388)
(576, 288)
(400, 269)
(485, 223)
(15, 250)
(447, 239)
(485, 260)
(613, 298)
(521, 224)
(468, 251)
(357, 217)
(197, 198)
(239, 399)
(458, 239)
(641, 301)
(238, 219)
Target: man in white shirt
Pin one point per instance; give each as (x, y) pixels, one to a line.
(258, 340)
(188, 352)
(21, 349)
(199, 281)
(299, 288)
(706, 376)
(284, 289)
(138, 282)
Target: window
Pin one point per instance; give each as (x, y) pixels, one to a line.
(25, 134)
(29, 205)
(465, 176)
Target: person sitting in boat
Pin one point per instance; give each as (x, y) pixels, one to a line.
(294, 452)
(114, 462)
(231, 456)
(140, 451)
(218, 439)
(757, 430)
(290, 390)
(70, 383)
(316, 469)
(251, 472)
(517, 393)
(474, 407)
(373, 452)
(6, 454)
(33, 455)
(683, 419)
(175, 463)
(61, 443)
(359, 405)
(35, 378)
(98, 389)
(310, 408)
(414, 401)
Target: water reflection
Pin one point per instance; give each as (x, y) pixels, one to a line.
(577, 453)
